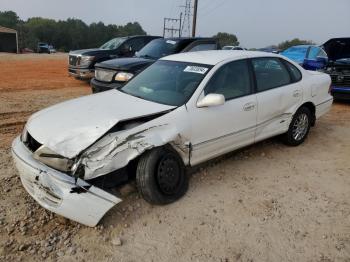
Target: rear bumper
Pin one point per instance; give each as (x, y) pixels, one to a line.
(324, 107)
(60, 193)
(98, 86)
(82, 73)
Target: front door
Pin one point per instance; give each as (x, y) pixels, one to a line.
(220, 129)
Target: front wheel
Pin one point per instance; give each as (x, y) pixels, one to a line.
(161, 176)
(299, 127)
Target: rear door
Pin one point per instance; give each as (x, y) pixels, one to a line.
(278, 94)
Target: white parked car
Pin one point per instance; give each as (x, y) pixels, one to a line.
(181, 111)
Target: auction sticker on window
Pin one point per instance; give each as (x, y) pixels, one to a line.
(171, 42)
(196, 69)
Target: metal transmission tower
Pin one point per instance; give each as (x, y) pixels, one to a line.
(172, 26)
(186, 25)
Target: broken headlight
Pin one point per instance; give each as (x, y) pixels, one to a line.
(123, 77)
(51, 159)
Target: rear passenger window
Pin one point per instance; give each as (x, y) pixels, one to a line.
(270, 73)
(231, 80)
(296, 75)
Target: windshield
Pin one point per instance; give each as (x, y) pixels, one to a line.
(113, 44)
(167, 82)
(158, 48)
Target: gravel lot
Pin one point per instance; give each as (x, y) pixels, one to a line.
(267, 202)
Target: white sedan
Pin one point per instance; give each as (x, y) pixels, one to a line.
(181, 111)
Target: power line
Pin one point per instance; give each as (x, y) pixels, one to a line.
(214, 8)
(172, 8)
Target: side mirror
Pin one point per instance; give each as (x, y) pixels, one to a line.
(211, 100)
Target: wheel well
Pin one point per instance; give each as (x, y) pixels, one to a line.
(312, 108)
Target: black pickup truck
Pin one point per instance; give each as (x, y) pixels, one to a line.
(116, 72)
(82, 62)
(338, 51)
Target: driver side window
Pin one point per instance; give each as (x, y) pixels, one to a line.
(232, 80)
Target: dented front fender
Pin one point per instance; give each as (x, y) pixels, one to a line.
(116, 150)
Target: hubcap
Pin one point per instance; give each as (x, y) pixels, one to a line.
(168, 175)
(300, 127)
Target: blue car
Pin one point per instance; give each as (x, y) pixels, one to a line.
(310, 57)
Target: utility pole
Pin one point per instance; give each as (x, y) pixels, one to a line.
(172, 25)
(186, 24)
(194, 24)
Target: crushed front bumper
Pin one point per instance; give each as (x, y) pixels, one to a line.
(60, 193)
(82, 73)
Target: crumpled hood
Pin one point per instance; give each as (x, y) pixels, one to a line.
(72, 126)
(337, 48)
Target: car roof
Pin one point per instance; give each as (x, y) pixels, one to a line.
(215, 56)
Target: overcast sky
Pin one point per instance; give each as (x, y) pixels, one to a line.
(257, 23)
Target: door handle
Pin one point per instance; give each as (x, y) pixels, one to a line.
(297, 93)
(249, 106)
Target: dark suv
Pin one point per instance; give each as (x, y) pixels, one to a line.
(82, 62)
(116, 72)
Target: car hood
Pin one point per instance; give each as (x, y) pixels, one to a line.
(72, 126)
(337, 48)
(126, 64)
(90, 52)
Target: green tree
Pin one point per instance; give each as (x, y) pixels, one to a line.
(296, 41)
(9, 19)
(226, 39)
(67, 34)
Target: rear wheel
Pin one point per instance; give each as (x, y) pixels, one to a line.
(299, 127)
(161, 177)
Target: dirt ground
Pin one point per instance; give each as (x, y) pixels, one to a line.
(267, 202)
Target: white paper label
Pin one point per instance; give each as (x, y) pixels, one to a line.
(196, 69)
(171, 42)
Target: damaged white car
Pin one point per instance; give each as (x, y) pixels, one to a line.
(181, 111)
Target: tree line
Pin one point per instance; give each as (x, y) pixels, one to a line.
(72, 34)
(65, 35)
